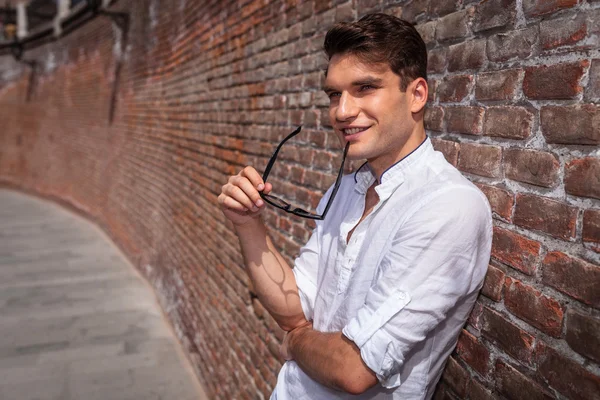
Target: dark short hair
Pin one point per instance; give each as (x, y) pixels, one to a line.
(381, 39)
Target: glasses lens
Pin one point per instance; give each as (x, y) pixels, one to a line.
(276, 201)
(284, 205)
(303, 213)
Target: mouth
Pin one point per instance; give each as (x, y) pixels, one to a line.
(353, 131)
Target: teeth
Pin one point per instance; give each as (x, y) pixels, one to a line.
(352, 131)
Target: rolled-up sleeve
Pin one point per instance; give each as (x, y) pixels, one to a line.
(434, 260)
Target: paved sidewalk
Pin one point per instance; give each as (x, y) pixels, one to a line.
(76, 320)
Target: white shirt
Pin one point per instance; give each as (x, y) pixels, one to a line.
(403, 286)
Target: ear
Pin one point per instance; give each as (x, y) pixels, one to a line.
(419, 91)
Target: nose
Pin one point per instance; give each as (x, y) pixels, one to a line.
(347, 107)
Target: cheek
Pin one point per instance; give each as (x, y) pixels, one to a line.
(377, 107)
(332, 110)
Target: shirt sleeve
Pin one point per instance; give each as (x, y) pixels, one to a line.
(306, 266)
(436, 259)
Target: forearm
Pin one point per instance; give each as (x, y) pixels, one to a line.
(271, 276)
(330, 359)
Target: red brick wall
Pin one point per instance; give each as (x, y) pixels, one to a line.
(207, 87)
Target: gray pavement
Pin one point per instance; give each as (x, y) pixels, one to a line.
(76, 320)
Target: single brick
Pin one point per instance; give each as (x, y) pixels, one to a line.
(560, 81)
(549, 216)
(456, 377)
(366, 6)
(591, 228)
(434, 118)
(464, 119)
(531, 305)
(510, 337)
(497, 85)
(474, 319)
(473, 352)
(573, 276)
(427, 31)
(412, 10)
(504, 46)
(515, 385)
(501, 201)
(582, 334)
(593, 89)
(466, 55)
(515, 250)
(305, 10)
(344, 13)
(494, 14)
(593, 21)
(437, 60)
(493, 283)
(322, 5)
(531, 166)
(476, 391)
(455, 88)
(481, 159)
(508, 122)
(453, 26)
(582, 177)
(571, 125)
(448, 148)
(533, 8)
(443, 392)
(562, 32)
(565, 375)
(442, 7)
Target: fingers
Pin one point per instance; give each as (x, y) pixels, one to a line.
(254, 177)
(232, 204)
(241, 193)
(268, 188)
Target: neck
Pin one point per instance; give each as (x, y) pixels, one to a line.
(379, 166)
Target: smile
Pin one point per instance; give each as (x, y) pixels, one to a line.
(353, 131)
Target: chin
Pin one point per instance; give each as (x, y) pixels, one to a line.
(357, 154)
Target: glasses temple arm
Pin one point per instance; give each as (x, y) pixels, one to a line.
(337, 182)
(274, 156)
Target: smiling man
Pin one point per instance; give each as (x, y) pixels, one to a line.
(378, 296)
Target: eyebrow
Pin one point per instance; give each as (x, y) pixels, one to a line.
(368, 80)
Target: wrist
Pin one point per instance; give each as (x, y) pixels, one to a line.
(249, 227)
(296, 336)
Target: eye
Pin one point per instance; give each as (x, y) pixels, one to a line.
(332, 95)
(365, 88)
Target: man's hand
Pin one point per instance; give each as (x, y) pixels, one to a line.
(240, 200)
(284, 349)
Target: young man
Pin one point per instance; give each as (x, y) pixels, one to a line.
(378, 296)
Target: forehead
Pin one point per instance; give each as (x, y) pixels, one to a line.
(344, 68)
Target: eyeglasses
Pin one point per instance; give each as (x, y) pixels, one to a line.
(289, 208)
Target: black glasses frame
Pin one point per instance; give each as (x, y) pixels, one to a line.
(287, 207)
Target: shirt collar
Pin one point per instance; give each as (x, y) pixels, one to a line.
(393, 176)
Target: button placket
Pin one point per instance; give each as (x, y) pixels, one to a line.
(350, 248)
(350, 256)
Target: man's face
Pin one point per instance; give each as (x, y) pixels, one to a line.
(368, 109)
